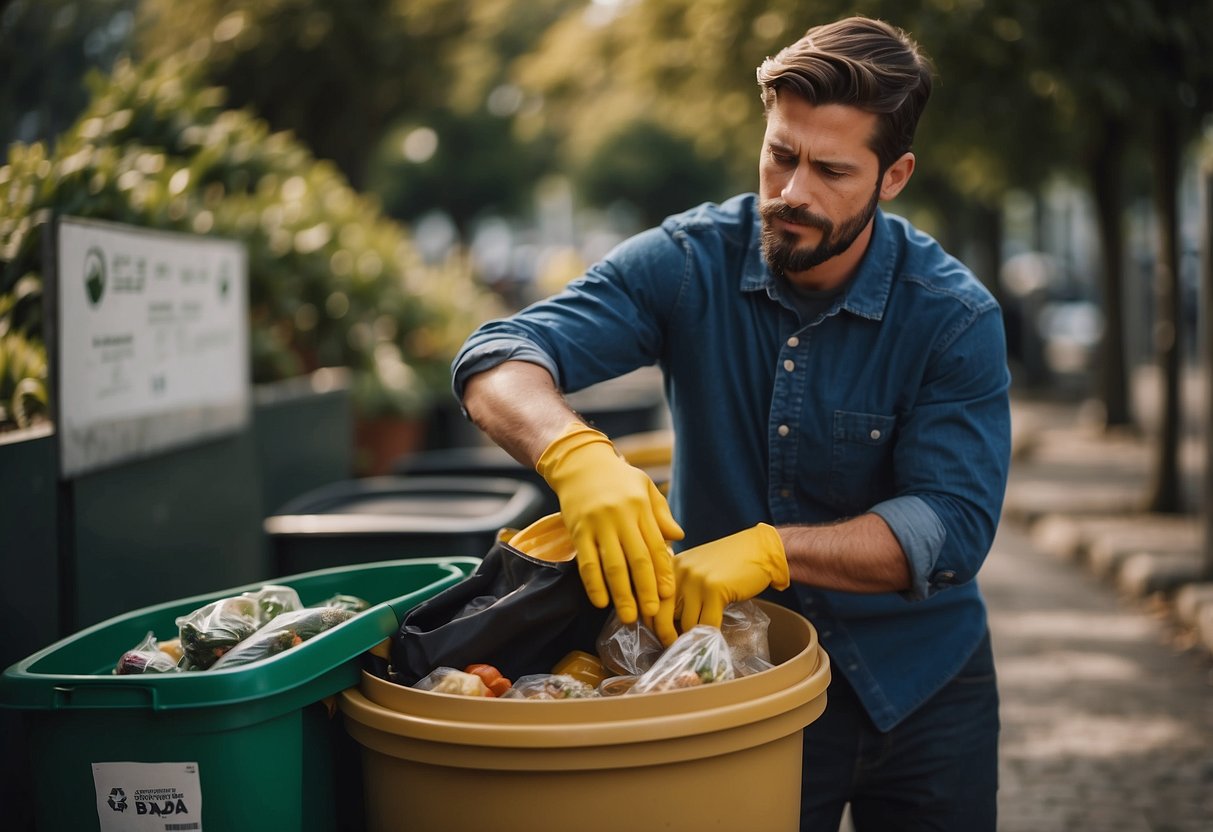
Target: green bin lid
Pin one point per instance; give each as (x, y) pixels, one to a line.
(76, 672)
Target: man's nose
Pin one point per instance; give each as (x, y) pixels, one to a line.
(796, 191)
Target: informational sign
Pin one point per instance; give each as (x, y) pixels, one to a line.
(148, 797)
(152, 341)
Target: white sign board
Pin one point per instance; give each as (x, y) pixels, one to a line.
(148, 797)
(152, 341)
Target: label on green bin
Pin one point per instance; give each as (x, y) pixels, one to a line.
(148, 797)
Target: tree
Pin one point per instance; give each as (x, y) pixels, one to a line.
(334, 74)
(1177, 52)
(372, 68)
(1094, 78)
(686, 67)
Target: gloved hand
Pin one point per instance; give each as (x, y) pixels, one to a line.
(711, 576)
(617, 518)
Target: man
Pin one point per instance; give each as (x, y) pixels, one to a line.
(838, 389)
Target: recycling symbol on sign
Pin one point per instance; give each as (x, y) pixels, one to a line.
(117, 800)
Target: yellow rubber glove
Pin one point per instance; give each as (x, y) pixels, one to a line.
(714, 575)
(618, 519)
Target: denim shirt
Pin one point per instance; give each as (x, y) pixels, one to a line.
(892, 401)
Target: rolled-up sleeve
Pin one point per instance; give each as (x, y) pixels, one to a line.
(922, 535)
(488, 353)
(952, 459)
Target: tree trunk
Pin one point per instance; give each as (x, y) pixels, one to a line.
(988, 233)
(1206, 313)
(1165, 491)
(1105, 164)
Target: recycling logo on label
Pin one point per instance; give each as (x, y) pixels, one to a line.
(94, 274)
(117, 800)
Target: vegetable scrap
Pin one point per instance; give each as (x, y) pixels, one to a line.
(492, 678)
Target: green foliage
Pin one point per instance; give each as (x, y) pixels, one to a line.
(332, 73)
(653, 171)
(23, 367)
(373, 69)
(332, 281)
(476, 167)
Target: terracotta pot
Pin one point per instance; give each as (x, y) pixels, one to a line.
(380, 441)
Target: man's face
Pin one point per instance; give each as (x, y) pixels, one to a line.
(819, 183)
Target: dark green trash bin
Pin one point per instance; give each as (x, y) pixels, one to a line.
(255, 743)
(392, 517)
(476, 461)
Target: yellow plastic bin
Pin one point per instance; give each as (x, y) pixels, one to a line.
(722, 756)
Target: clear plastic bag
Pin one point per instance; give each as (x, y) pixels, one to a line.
(452, 681)
(627, 649)
(550, 686)
(700, 656)
(273, 600)
(282, 633)
(745, 628)
(750, 665)
(347, 602)
(209, 632)
(145, 657)
(616, 685)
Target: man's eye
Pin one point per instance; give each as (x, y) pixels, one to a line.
(783, 158)
(830, 173)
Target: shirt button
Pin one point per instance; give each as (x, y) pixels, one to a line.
(852, 667)
(945, 576)
(827, 633)
(875, 434)
(789, 365)
(785, 492)
(783, 430)
(793, 341)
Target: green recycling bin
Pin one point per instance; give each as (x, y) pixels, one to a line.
(252, 747)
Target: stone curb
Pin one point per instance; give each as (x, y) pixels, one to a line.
(1143, 555)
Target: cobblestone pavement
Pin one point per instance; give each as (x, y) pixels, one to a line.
(1107, 722)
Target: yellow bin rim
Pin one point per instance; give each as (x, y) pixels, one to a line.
(791, 694)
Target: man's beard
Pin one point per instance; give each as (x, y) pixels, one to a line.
(781, 249)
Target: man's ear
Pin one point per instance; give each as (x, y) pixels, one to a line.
(897, 176)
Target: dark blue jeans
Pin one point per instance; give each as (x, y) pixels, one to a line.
(936, 770)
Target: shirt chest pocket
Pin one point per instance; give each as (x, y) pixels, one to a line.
(861, 462)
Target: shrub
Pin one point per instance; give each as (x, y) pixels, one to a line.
(333, 282)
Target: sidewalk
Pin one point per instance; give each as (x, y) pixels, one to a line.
(1106, 683)
(1080, 495)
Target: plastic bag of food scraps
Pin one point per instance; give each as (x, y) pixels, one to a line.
(146, 657)
(550, 686)
(745, 627)
(700, 656)
(284, 632)
(627, 649)
(456, 682)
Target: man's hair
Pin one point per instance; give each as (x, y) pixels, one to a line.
(862, 63)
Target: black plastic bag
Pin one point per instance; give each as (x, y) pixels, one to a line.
(521, 611)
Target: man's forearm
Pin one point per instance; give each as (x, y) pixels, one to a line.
(518, 406)
(857, 555)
